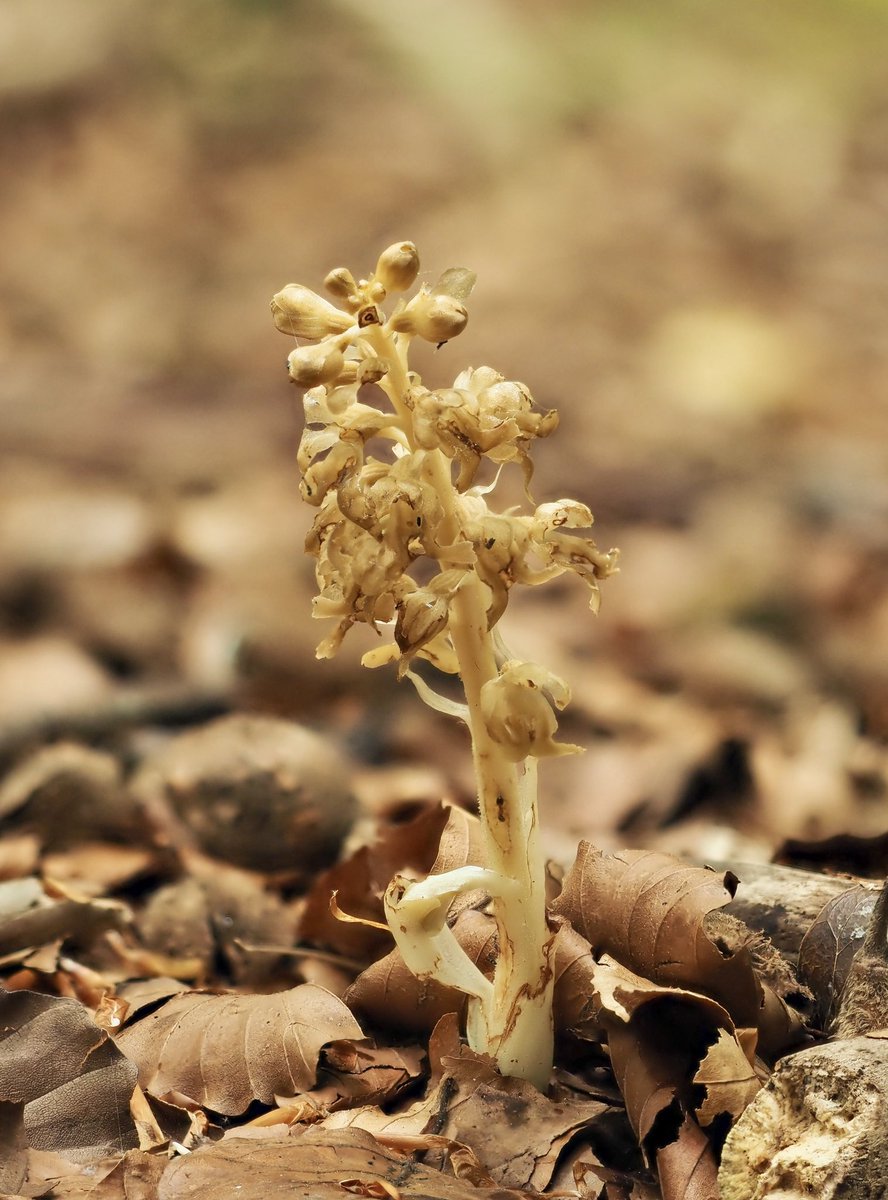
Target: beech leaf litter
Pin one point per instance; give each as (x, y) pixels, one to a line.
(670, 1016)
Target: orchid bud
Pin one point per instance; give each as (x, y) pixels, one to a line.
(437, 318)
(311, 365)
(341, 283)
(299, 311)
(349, 372)
(397, 267)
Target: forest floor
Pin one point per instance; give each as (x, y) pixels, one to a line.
(182, 784)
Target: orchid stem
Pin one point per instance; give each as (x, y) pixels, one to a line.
(514, 1022)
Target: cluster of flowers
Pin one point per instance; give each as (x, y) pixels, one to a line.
(416, 497)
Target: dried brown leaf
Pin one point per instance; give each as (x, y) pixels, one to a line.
(134, 1176)
(591, 995)
(412, 1121)
(311, 1164)
(77, 1097)
(144, 964)
(220, 909)
(351, 1075)
(358, 894)
(460, 843)
(224, 1051)
(146, 993)
(516, 1133)
(647, 910)
(96, 868)
(19, 855)
(649, 1071)
(13, 1146)
(176, 922)
(829, 947)
(89, 1113)
(625, 1185)
(618, 993)
(730, 1080)
(687, 1166)
(672, 1051)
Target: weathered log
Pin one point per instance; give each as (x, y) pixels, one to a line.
(818, 1128)
(783, 902)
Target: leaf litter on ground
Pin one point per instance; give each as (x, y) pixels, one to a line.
(655, 993)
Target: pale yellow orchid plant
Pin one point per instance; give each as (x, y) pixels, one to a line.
(416, 500)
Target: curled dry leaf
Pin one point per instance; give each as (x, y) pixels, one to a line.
(660, 1062)
(649, 911)
(349, 1075)
(676, 1054)
(730, 1082)
(224, 1051)
(76, 1099)
(311, 1162)
(829, 947)
(356, 888)
(686, 1166)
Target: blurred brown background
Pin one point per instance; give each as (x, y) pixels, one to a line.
(679, 218)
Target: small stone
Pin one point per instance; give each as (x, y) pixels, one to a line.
(45, 677)
(66, 793)
(259, 792)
